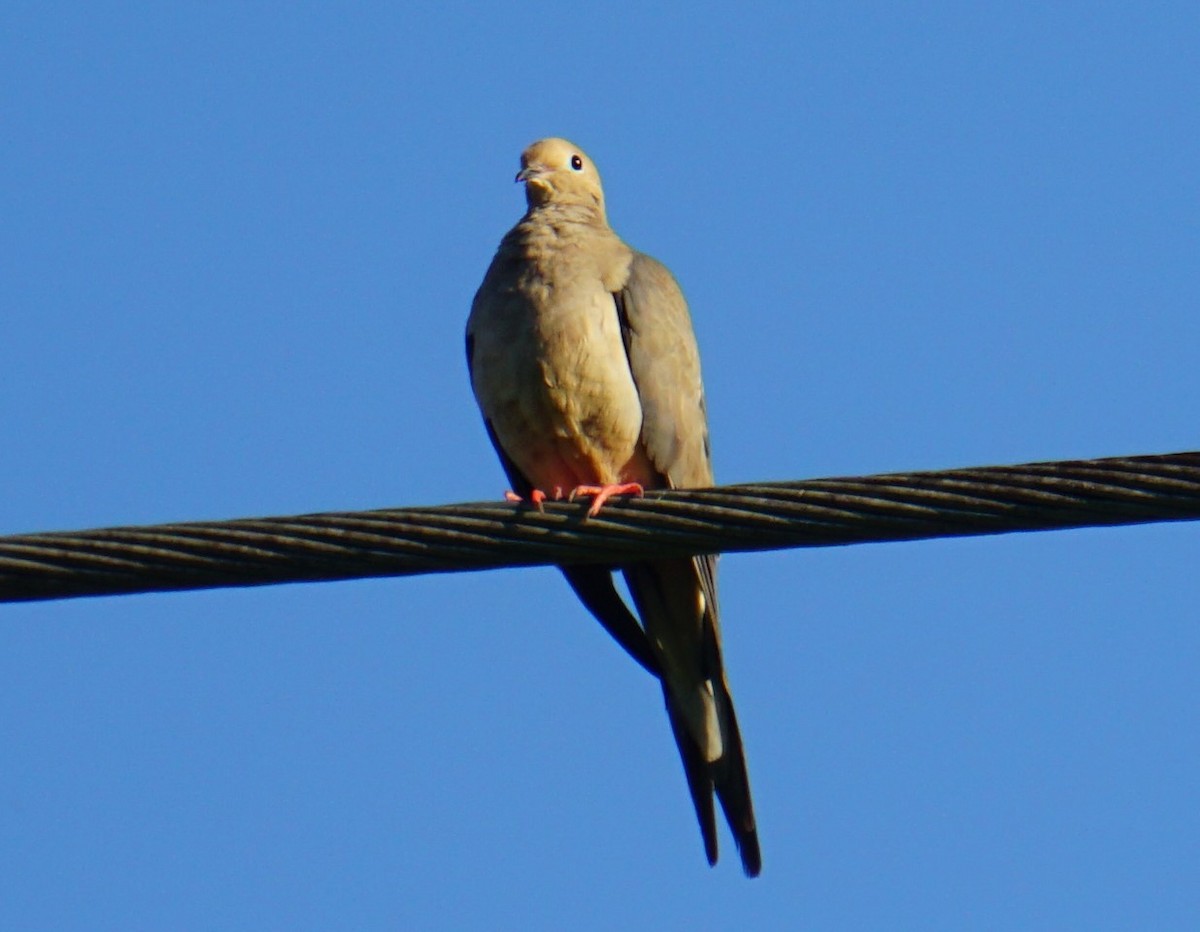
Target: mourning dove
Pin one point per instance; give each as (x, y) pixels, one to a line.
(585, 367)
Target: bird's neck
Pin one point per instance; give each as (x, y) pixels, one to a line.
(571, 213)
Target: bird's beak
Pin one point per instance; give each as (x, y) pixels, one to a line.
(530, 173)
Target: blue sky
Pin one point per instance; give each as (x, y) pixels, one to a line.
(238, 243)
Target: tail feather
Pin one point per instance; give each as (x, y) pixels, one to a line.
(699, 781)
(726, 776)
(676, 600)
(732, 785)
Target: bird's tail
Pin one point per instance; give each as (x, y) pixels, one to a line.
(726, 776)
(732, 784)
(677, 602)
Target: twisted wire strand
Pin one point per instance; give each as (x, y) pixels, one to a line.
(761, 516)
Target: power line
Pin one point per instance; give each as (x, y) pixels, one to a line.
(763, 516)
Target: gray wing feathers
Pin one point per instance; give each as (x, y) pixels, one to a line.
(665, 364)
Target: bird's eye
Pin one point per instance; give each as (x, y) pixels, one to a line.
(576, 163)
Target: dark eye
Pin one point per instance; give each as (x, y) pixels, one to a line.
(576, 163)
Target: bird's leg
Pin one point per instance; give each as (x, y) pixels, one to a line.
(536, 497)
(602, 493)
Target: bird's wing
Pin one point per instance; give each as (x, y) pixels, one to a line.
(677, 599)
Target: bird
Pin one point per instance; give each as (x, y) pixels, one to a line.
(585, 367)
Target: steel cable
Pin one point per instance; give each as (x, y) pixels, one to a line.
(762, 516)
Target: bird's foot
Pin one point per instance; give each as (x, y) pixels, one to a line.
(602, 493)
(536, 497)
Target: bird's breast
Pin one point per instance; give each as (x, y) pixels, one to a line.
(553, 379)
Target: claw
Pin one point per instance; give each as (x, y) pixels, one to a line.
(536, 497)
(602, 493)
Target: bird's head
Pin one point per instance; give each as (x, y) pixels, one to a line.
(555, 171)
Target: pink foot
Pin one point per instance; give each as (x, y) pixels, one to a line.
(536, 497)
(602, 493)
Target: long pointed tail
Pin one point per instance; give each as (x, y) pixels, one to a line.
(726, 776)
(677, 602)
(732, 785)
